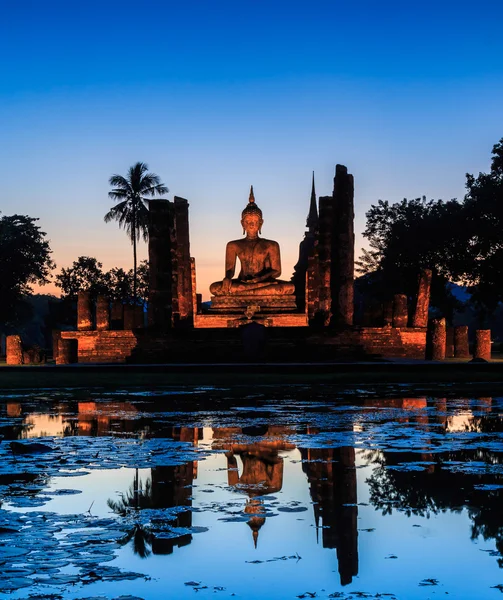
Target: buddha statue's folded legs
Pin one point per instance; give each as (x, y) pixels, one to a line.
(274, 287)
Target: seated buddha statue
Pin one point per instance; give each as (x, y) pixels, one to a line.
(260, 262)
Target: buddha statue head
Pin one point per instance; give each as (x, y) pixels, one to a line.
(251, 217)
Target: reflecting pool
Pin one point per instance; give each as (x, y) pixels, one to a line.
(270, 492)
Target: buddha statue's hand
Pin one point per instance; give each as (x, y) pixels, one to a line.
(226, 285)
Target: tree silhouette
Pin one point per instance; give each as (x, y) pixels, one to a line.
(132, 193)
(25, 260)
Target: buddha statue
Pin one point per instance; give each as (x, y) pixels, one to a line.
(260, 266)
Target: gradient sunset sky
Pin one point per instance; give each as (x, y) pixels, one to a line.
(217, 95)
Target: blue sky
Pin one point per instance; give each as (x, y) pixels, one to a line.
(216, 96)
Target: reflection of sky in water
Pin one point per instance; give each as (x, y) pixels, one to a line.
(396, 552)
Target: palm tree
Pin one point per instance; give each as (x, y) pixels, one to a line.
(131, 212)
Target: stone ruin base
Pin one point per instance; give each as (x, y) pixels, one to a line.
(234, 344)
(240, 303)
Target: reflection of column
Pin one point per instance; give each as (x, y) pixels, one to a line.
(332, 479)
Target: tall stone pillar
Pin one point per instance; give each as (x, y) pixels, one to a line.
(67, 351)
(461, 349)
(325, 257)
(84, 312)
(313, 283)
(438, 339)
(102, 313)
(400, 310)
(420, 318)
(184, 282)
(161, 255)
(14, 350)
(117, 315)
(343, 249)
(482, 347)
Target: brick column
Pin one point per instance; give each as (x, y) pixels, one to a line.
(482, 347)
(84, 312)
(420, 318)
(14, 350)
(129, 317)
(449, 342)
(102, 313)
(324, 257)
(163, 282)
(438, 339)
(343, 249)
(313, 282)
(117, 315)
(184, 278)
(67, 352)
(461, 349)
(400, 310)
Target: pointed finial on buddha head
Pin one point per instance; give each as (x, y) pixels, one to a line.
(252, 209)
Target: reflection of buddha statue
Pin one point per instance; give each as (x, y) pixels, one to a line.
(260, 262)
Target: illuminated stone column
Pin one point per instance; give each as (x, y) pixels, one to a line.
(184, 279)
(84, 312)
(342, 249)
(324, 258)
(67, 352)
(438, 339)
(461, 349)
(449, 342)
(102, 313)
(482, 347)
(400, 310)
(14, 350)
(420, 318)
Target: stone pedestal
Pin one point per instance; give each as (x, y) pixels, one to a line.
(461, 349)
(400, 311)
(238, 304)
(482, 347)
(14, 350)
(438, 339)
(67, 352)
(420, 318)
(84, 312)
(102, 313)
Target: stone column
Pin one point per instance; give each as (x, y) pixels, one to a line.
(196, 305)
(67, 352)
(14, 350)
(387, 313)
(117, 315)
(56, 336)
(139, 317)
(400, 310)
(84, 312)
(438, 339)
(313, 282)
(163, 282)
(420, 318)
(342, 249)
(461, 349)
(324, 257)
(449, 342)
(482, 347)
(102, 313)
(129, 317)
(184, 279)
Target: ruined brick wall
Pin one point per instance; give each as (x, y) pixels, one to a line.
(102, 346)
